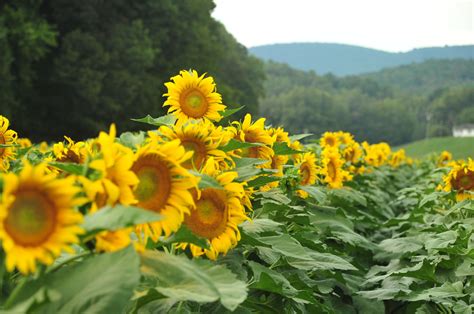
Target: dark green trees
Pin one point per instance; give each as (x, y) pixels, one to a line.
(73, 67)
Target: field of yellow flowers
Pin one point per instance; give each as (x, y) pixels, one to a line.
(202, 216)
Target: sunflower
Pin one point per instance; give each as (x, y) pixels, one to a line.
(191, 96)
(71, 152)
(255, 133)
(333, 173)
(37, 217)
(24, 142)
(217, 214)
(164, 186)
(376, 154)
(278, 161)
(111, 241)
(116, 180)
(397, 158)
(345, 138)
(7, 137)
(330, 139)
(202, 138)
(352, 153)
(307, 170)
(461, 180)
(444, 158)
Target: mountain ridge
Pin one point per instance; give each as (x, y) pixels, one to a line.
(344, 59)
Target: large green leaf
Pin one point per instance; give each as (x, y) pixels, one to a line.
(201, 281)
(99, 284)
(228, 112)
(118, 217)
(169, 119)
(234, 144)
(280, 148)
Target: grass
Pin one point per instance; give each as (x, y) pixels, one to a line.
(460, 147)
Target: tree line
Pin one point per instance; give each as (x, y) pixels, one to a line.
(73, 67)
(370, 109)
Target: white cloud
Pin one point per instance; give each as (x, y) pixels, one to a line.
(393, 25)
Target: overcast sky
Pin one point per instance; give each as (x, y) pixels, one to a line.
(391, 25)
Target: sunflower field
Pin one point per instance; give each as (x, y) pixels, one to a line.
(206, 214)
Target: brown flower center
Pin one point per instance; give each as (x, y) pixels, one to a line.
(31, 218)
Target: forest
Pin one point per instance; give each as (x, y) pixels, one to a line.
(373, 107)
(80, 66)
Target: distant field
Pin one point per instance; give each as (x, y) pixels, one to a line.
(459, 147)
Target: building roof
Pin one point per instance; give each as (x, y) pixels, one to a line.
(468, 126)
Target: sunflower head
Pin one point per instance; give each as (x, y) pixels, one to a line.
(461, 180)
(332, 168)
(116, 182)
(7, 137)
(352, 153)
(217, 213)
(71, 152)
(164, 186)
(255, 133)
(307, 170)
(330, 139)
(193, 97)
(38, 219)
(397, 158)
(201, 138)
(444, 158)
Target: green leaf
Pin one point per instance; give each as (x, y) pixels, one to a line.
(314, 192)
(228, 112)
(347, 195)
(193, 280)
(322, 261)
(303, 258)
(100, 284)
(72, 168)
(184, 235)
(235, 144)
(168, 120)
(401, 245)
(261, 181)
(447, 290)
(284, 149)
(298, 137)
(118, 217)
(441, 240)
(206, 181)
(132, 140)
(260, 225)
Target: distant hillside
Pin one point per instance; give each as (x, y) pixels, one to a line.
(459, 147)
(426, 77)
(350, 60)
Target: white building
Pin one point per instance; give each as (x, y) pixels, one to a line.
(463, 130)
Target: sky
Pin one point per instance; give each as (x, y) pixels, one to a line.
(390, 25)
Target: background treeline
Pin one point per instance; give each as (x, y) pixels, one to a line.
(396, 105)
(73, 67)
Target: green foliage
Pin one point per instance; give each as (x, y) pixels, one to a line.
(371, 109)
(460, 147)
(99, 284)
(81, 66)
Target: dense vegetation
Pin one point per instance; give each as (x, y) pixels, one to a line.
(77, 66)
(427, 76)
(460, 147)
(369, 108)
(342, 59)
(333, 227)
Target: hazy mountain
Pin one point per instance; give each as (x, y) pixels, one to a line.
(346, 59)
